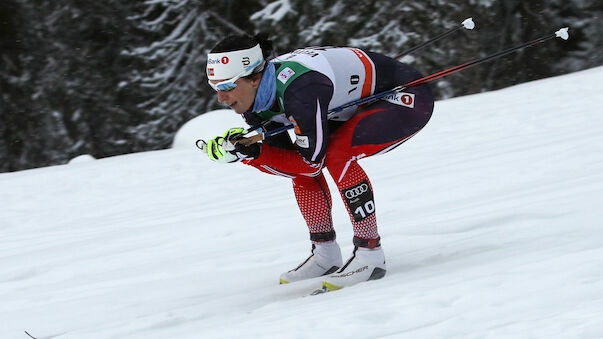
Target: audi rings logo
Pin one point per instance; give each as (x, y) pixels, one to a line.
(356, 191)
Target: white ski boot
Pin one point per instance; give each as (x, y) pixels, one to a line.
(364, 265)
(325, 259)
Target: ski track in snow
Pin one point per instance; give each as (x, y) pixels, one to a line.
(490, 221)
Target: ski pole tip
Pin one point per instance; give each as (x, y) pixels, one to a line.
(468, 23)
(562, 33)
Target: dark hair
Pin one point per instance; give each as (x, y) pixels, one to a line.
(244, 41)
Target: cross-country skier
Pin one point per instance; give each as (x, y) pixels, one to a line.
(299, 88)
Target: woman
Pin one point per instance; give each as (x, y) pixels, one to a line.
(299, 88)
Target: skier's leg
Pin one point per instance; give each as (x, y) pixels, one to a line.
(367, 261)
(314, 200)
(357, 193)
(368, 133)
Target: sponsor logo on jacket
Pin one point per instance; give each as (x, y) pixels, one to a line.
(285, 75)
(302, 141)
(402, 99)
(306, 51)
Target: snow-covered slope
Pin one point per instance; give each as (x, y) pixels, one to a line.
(491, 220)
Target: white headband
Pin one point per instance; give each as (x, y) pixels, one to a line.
(226, 65)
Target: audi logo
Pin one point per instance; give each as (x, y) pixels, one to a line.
(356, 191)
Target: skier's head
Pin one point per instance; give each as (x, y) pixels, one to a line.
(234, 68)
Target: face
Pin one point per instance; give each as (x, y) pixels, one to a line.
(241, 98)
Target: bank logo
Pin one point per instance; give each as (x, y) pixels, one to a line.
(402, 99)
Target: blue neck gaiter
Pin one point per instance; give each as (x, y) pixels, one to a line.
(267, 91)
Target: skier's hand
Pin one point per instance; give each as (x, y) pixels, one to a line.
(234, 134)
(216, 152)
(225, 149)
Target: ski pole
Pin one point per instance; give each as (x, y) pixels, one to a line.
(262, 134)
(467, 24)
(562, 33)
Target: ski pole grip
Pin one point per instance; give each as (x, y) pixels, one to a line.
(251, 140)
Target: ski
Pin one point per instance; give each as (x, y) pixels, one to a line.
(320, 291)
(326, 287)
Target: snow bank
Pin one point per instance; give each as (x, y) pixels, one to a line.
(81, 159)
(206, 126)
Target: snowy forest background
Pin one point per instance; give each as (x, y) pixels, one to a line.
(113, 77)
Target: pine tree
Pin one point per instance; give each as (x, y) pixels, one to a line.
(390, 27)
(62, 96)
(173, 66)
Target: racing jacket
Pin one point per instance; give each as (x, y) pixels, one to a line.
(311, 81)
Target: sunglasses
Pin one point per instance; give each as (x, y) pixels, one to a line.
(229, 85)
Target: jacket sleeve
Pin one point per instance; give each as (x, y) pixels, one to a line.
(280, 140)
(306, 105)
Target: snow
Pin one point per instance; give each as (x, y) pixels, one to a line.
(275, 11)
(206, 126)
(82, 158)
(490, 221)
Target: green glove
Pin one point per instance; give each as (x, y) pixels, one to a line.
(234, 133)
(217, 153)
(223, 149)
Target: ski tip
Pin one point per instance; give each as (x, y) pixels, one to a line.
(319, 291)
(468, 23)
(330, 287)
(563, 33)
(326, 287)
